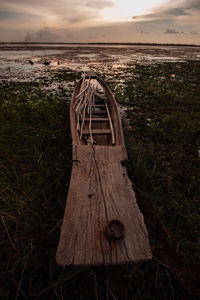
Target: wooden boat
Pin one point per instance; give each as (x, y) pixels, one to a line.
(102, 223)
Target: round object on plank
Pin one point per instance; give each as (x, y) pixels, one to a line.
(115, 230)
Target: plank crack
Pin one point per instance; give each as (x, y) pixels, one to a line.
(97, 168)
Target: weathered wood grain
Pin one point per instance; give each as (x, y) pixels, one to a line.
(100, 191)
(97, 131)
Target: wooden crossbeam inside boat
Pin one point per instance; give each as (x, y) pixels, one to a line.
(98, 105)
(97, 119)
(97, 131)
(99, 112)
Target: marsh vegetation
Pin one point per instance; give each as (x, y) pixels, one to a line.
(161, 121)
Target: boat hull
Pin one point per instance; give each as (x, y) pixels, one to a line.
(100, 195)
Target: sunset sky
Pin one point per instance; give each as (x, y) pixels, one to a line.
(158, 21)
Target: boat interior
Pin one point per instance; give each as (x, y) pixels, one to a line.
(93, 113)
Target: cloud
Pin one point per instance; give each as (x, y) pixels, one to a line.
(171, 31)
(59, 8)
(177, 12)
(194, 4)
(31, 16)
(82, 21)
(16, 16)
(172, 10)
(144, 32)
(99, 4)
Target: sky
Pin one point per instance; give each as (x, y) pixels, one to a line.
(143, 21)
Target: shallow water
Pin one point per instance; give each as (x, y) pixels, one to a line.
(15, 60)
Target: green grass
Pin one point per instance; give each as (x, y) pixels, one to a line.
(161, 130)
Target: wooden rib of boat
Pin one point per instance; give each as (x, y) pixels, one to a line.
(102, 223)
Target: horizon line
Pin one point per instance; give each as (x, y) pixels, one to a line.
(102, 43)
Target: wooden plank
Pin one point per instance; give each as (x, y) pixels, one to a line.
(111, 125)
(100, 191)
(99, 112)
(98, 105)
(97, 131)
(97, 119)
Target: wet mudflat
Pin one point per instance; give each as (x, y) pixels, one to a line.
(15, 61)
(158, 92)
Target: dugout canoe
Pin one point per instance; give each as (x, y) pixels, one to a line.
(102, 223)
